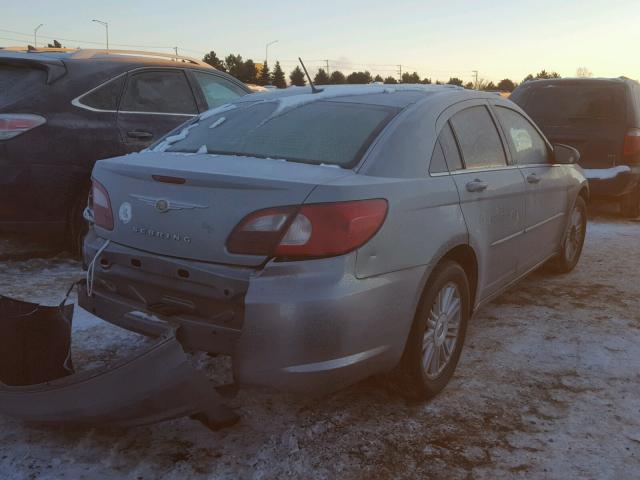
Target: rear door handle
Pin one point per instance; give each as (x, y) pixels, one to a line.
(141, 134)
(477, 185)
(533, 178)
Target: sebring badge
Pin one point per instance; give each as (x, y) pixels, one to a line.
(162, 205)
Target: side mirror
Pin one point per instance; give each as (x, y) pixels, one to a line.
(565, 155)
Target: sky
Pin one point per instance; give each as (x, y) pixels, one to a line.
(438, 39)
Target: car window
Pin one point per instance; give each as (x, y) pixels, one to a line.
(438, 163)
(320, 132)
(106, 96)
(217, 91)
(450, 149)
(526, 144)
(159, 92)
(565, 104)
(478, 138)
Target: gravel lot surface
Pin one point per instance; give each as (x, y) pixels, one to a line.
(548, 387)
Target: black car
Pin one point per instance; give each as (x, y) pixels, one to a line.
(62, 111)
(601, 118)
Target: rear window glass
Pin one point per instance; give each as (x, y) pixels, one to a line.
(570, 104)
(18, 82)
(106, 96)
(321, 132)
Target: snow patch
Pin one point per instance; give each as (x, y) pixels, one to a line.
(605, 173)
(170, 140)
(215, 111)
(218, 122)
(203, 149)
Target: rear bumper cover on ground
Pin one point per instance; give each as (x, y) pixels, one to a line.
(157, 384)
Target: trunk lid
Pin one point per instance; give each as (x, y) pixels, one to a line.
(193, 219)
(589, 115)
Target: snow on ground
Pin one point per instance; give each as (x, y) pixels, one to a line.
(548, 387)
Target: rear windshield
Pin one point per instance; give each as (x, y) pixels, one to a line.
(18, 82)
(570, 104)
(320, 132)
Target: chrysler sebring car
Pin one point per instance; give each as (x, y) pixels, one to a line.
(321, 238)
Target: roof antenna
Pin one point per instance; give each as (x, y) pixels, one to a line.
(313, 87)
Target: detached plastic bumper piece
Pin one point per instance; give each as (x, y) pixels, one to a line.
(158, 383)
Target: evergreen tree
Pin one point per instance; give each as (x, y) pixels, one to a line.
(55, 44)
(235, 65)
(506, 85)
(297, 77)
(390, 80)
(321, 77)
(212, 59)
(265, 75)
(426, 81)
(279, 79)
(359, 78)
(378, 79)
(469, 85)
(337, 78)
(410, 78)
(455, 81)
(249, 72)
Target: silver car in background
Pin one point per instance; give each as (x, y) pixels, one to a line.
(320, 238)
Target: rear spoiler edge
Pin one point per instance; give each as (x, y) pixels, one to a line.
(54, 68)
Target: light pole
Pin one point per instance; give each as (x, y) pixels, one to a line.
(35, 35)
(106, 26)
(266, 51)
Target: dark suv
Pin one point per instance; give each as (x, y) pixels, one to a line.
(601, 118)
(62, 111)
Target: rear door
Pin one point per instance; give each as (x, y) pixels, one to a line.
(589, 115)
(546, 186)
(491, 196)
(155, 101)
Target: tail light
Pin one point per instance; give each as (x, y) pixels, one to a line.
(308, 231)
(632, 144)
(13, 124)
(100, 203)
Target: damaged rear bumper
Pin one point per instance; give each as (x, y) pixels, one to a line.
(308, 327)
(156, 384)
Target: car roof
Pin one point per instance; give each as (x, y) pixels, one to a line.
(110, 56)
(393, 95)
(574, 80)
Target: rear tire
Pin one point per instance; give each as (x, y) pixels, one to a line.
(573, 240)
(77, 226)
(437, 334)
(630, 204)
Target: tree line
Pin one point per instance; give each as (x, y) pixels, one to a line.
(248, 71)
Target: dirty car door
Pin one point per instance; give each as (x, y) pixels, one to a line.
(154, 102)
(158, 383)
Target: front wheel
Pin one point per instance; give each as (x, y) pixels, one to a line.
(437, 334)
(573, 239)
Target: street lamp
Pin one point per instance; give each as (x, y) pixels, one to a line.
(106, 26)
(35, 35)
(266, 50)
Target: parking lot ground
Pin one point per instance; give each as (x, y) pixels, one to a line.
(548, 387)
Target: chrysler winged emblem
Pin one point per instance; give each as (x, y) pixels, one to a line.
(163, 205)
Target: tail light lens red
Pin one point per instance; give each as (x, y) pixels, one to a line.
(308, 231)
(101, 206)
(632, 142)
(13, 124)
